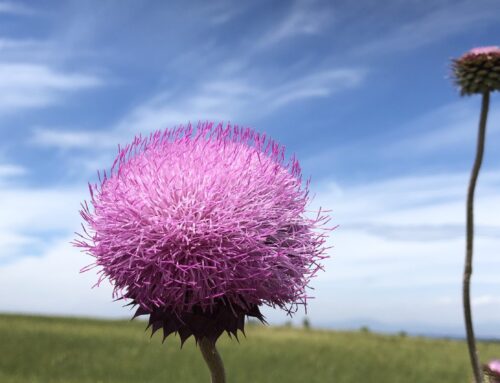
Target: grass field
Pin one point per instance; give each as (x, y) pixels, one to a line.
(38, 349)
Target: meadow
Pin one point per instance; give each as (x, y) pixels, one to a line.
(45, 349)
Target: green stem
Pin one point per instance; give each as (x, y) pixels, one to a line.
(471, 341)
(213, 360)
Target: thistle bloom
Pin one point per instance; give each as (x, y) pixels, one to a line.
(492, 370)
(484, 50)
(200, 227)
(478, 71)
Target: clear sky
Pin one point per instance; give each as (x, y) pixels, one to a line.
(359, 90)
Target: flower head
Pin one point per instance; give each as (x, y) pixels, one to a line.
(484, 50)
(478, 71)
(199, 227)
(492, 370)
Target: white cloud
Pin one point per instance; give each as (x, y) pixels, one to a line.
(448, 127)
(71, 139)
(32, 75)
(401, 275)
(15, 8)
(29, 217)
(9, 173)
(237, 99)
(442, 132)
(40, 210)
(223, 11)
(305, 18)
(415, 202)
(24, 85)
(9, 44)
(9, 170)
(486, 300)
(13, 244)
(52, 284)
(315, 85)
(31, 51)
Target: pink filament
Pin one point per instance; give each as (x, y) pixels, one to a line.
(187, 216)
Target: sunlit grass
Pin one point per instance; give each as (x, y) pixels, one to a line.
(35, 349)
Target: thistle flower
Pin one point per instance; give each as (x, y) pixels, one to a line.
(478, 71)
(198, 228)
(492, 371)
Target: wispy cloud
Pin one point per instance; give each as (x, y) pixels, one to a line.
(36, 258)
(486, 300)
(438, 134)
(401, 243)
(72, 139)
(25, 85)
(423, 232)
(305, 18)
(54, 275)
(390, 227)
(315, 85)
(223, 11)
(238, 99)
(15, 8)
(413, 202)
(10, 170)
(448, 127)
(15, 245)
(10, 44)
(28, 211)
(32, 217)
(32, 51)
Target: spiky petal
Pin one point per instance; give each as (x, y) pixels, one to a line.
(199, 227)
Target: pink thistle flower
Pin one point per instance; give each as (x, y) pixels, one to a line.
(494, 366)
(200, 227)
(484, 50)
(478, 71)
(492, 370)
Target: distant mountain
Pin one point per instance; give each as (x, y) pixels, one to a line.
(484, 330)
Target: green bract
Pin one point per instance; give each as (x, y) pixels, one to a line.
(478, 71)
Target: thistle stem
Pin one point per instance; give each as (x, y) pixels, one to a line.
(471, 342)
(213, 360)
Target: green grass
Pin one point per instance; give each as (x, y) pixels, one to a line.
(38, 349)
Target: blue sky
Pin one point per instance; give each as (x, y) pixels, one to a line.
(360, 91)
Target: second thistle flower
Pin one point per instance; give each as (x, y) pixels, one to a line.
(478, 71)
